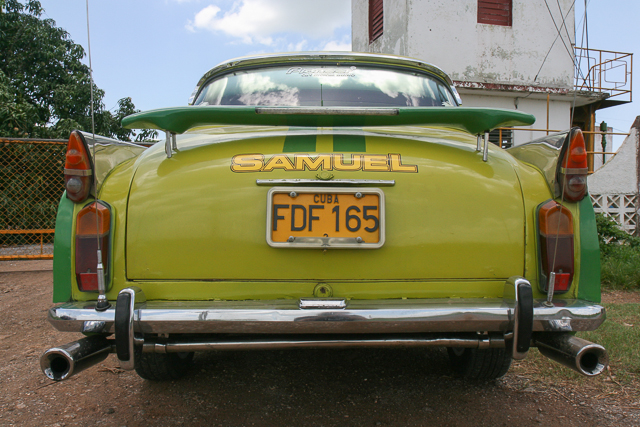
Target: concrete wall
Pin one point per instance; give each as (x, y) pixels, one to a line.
(446, 33)
(620, 174)
(614, 187)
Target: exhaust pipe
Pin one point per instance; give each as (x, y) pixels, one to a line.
(580, 355)
(60, 363)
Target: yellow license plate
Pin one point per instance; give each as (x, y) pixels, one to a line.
(325, 217)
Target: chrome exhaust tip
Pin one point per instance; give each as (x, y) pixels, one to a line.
(576, 353)
(60, 363)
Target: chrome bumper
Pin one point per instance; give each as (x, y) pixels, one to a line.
(202, 325)
(361, 316)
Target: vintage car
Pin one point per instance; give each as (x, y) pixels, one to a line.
(325, 200)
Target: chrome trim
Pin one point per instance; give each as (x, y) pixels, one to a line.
(551, 290)
(60, 363)
(376, 182)
(511, 295)
(315, 341)
(485, 152)
(93, 327)
(329, 111)
(332, 303)
(78, 172)
(359, 316)
(326, 242)
(330, 57)
(574, 171)
(576, 353)
(168, 144)
(129, 364)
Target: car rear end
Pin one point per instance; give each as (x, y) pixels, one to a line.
(307, 235)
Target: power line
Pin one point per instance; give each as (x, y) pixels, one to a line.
(558, 34)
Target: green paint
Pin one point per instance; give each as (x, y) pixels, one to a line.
(472, 120)
(349, 143)
(295, 143)
(62, 265)
(589, 288)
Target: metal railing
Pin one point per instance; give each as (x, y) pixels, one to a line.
(605, 71)
(590, 154)
(31, 184)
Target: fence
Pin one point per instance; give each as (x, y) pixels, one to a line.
(31, 184)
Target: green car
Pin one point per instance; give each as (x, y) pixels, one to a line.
(325, 200)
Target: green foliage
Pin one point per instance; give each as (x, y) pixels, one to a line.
(45, 89)
(611, 236)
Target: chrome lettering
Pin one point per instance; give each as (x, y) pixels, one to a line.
(321, 162)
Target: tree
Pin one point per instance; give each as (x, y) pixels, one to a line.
(45, 89)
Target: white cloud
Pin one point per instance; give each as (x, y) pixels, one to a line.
(258, 21)
(334, 45)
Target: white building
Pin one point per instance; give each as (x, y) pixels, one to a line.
(512, 54)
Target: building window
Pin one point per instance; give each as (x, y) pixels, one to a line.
(495, 12)
(375, 19)
(502, 138)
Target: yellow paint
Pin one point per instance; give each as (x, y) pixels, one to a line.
(456, 227)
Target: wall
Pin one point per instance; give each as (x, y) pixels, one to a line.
(559, 111)
(446, 33)
(614, 187)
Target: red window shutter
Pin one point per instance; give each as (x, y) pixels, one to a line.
(495, 12)
(375, 19)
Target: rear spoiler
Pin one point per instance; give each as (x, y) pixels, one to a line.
(475, 121)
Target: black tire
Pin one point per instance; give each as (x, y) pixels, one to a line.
(475, 364)
(162, 366)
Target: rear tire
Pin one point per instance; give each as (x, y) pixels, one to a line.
(476, 364)
(163, 366)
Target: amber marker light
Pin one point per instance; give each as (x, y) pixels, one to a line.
(574, 170)
(555, 228)
(87, 236)
(77, 168)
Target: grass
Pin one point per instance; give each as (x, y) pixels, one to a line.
(619, 255)
(620, 267)
(620, 335)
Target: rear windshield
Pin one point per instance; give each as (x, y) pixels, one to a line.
(328, 86)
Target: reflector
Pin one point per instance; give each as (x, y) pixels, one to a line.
(573, 173)
(77, 168)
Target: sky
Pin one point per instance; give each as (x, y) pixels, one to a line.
(155, 51)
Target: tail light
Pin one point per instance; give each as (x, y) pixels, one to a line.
(77, 168)
(555, 228)
(92, 225)
(573, 170)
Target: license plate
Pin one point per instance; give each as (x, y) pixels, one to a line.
(325, 217)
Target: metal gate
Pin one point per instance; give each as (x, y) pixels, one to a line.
(31, 184)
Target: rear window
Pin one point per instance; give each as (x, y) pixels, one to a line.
(328, 86)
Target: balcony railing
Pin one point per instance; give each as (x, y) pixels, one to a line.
(605, 71)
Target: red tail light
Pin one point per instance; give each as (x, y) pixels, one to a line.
(77, 168)
(87, 236)
(572, 174)
(555, 228)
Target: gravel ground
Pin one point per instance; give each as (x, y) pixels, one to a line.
(390, 387)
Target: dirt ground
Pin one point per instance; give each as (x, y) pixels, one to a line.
(391, 387)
